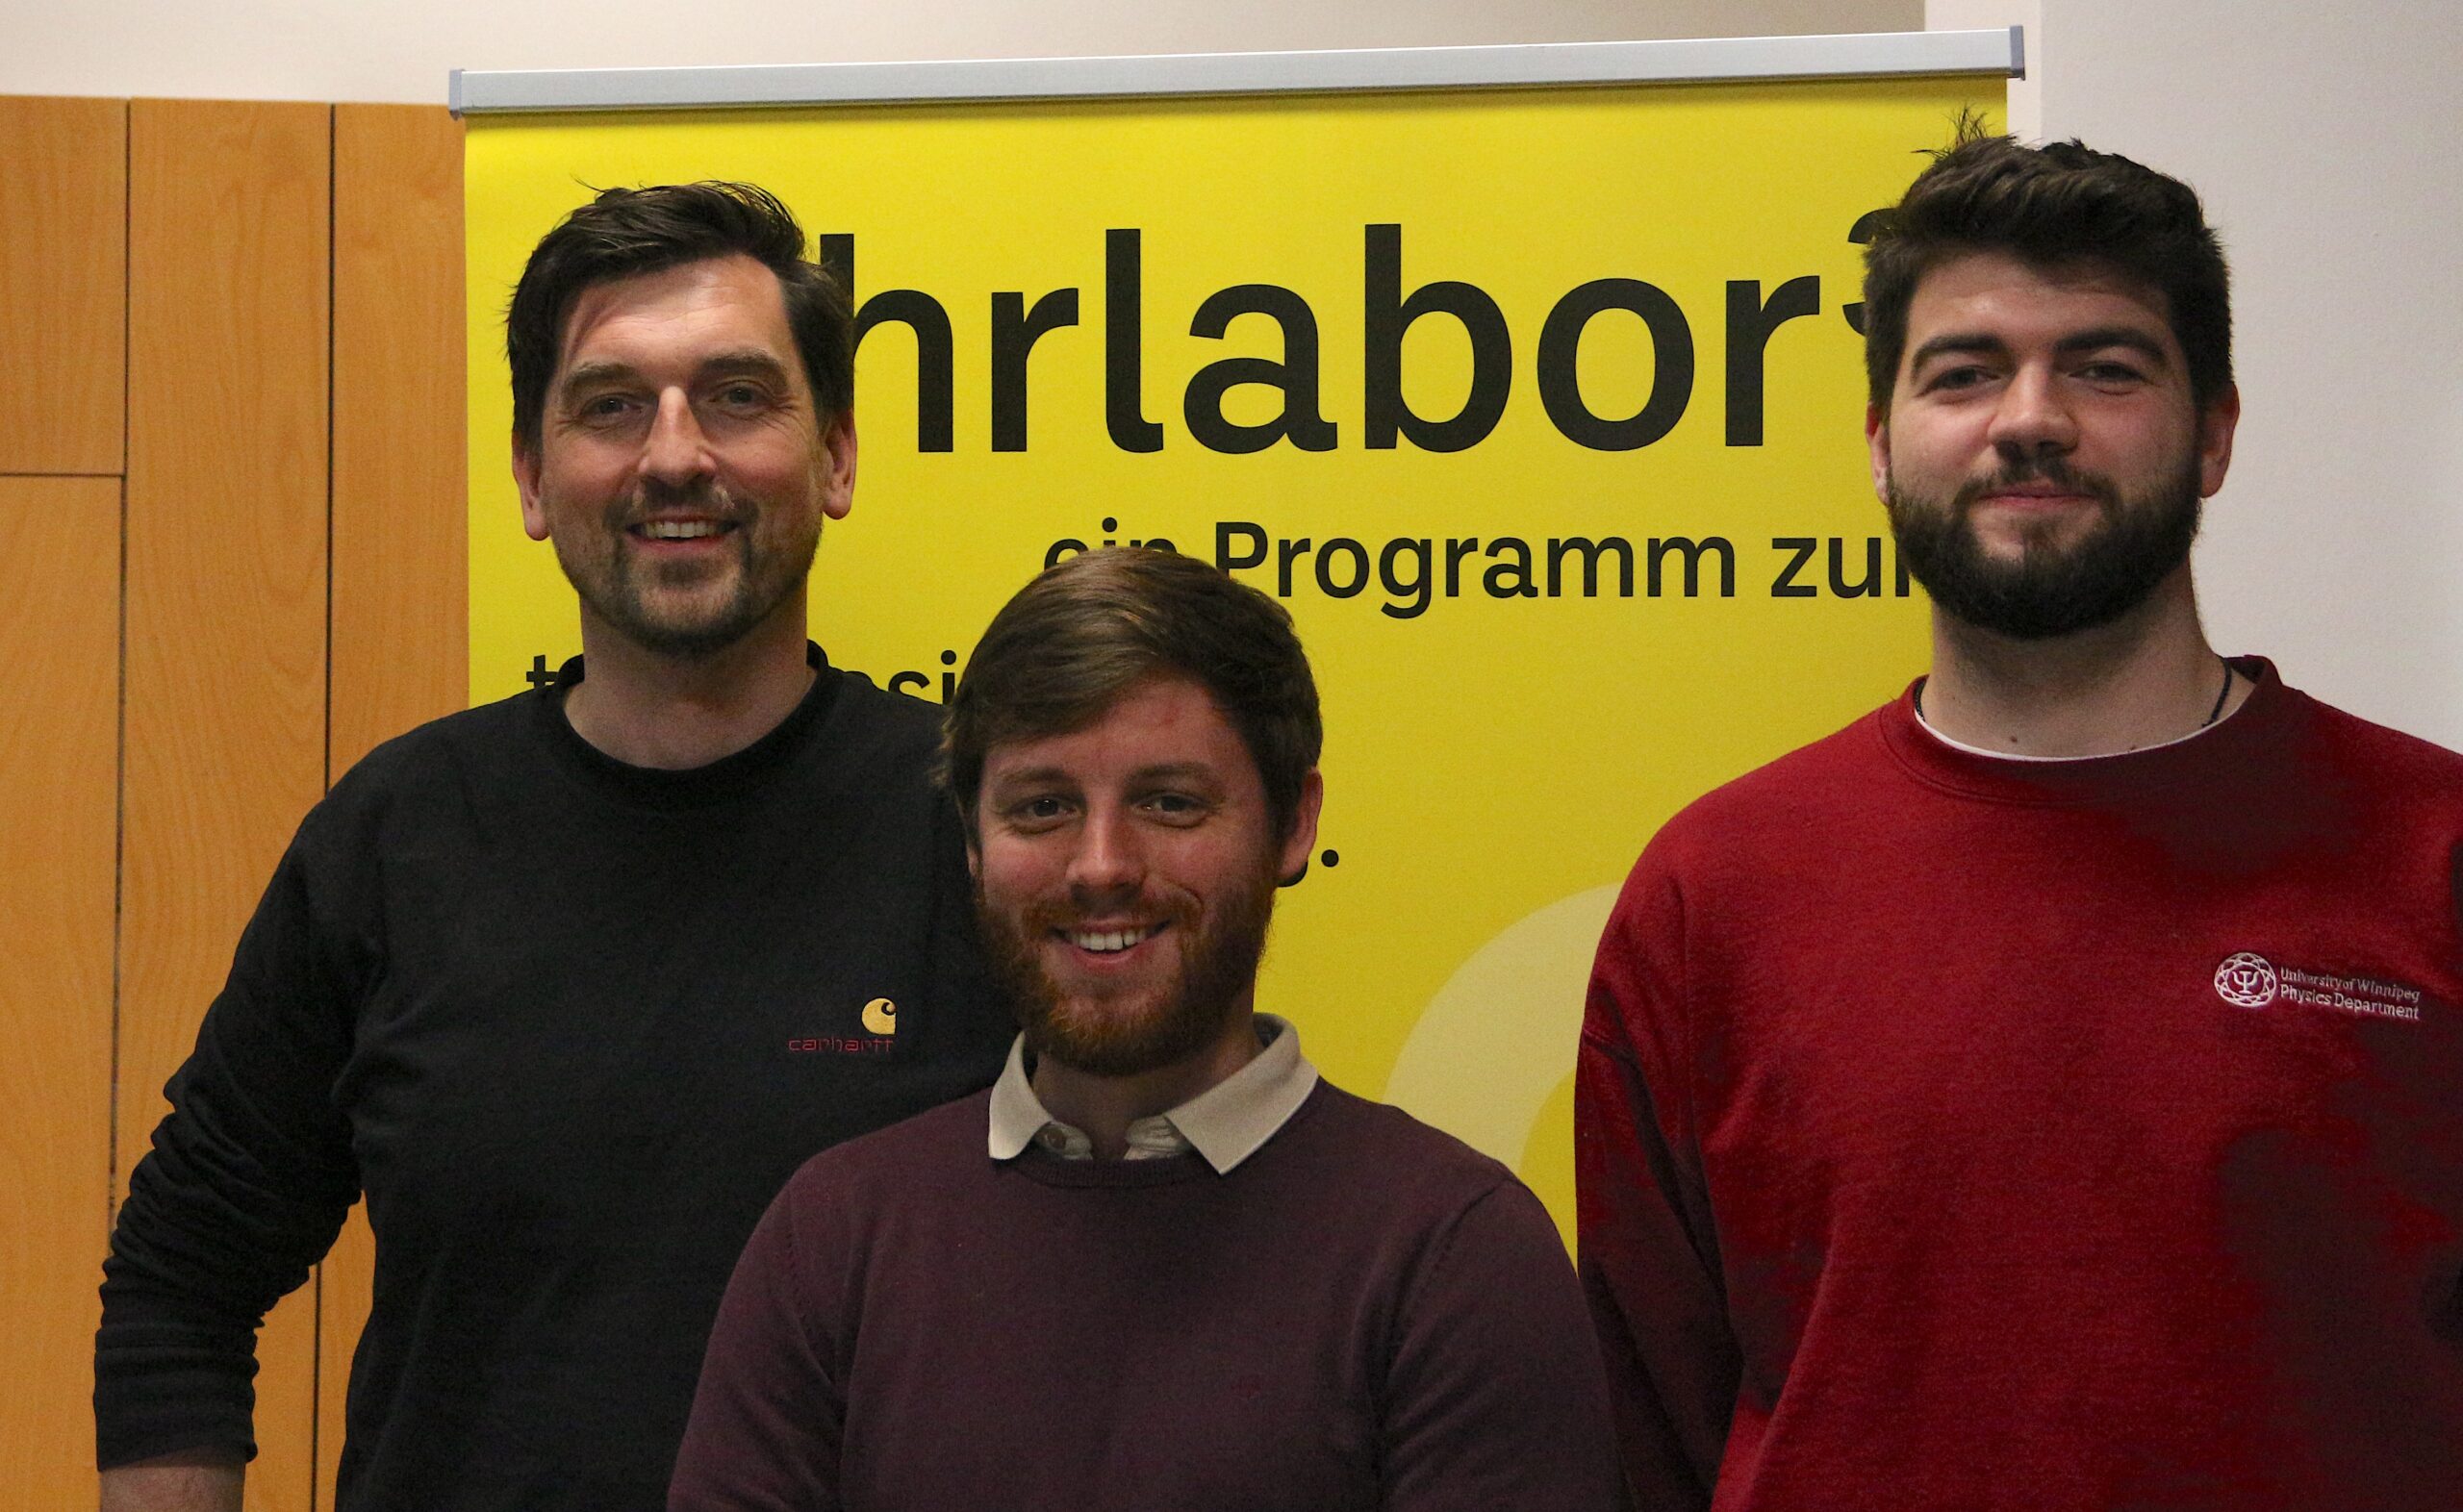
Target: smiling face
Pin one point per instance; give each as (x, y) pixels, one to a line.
(2041, 456)
(1125, 872)
(681, 470)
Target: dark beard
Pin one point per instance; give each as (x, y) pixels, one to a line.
(620, 595)
(1218, 964)
(2047, 591)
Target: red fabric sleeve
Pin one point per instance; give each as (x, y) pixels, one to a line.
(1650, 1255)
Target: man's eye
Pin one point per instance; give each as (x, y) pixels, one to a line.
(742, 397)
(2111, 372)
(1176, 808)
(1953, 378)
(606, 407)
(1036, 813)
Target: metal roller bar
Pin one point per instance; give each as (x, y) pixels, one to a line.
(1997, 51)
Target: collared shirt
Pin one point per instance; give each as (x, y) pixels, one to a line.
(1225, 1124)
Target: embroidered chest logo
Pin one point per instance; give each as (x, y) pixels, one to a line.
(2248, 979)
(2245, 978)
(880, 1017)
(879, 1037)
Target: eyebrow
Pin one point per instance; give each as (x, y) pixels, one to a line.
(750, 363)
(2094, 339)
(1027, 776)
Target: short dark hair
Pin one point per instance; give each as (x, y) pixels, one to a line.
(2061, 203)
(623, 233)
(1083, 632)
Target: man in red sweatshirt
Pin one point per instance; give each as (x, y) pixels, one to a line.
(2047, 1090)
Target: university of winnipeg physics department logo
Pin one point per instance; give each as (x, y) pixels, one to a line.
(2250, 980)
(2245, 978)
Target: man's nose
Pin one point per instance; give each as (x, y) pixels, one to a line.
(1108, 862)
(676, 452)
(2033, 418)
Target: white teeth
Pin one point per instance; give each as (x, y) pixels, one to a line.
(679, 529)
(1105, 942)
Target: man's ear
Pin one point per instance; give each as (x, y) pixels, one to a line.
(525, 479)
(1301, 841)
(838, 464)
(2216, 424)
(1877, 448)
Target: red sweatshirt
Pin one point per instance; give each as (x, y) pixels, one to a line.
(1957, 1132)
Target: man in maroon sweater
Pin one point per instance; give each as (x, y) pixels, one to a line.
(2043, 1092)
(1160, 1264)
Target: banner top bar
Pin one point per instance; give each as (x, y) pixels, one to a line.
(1709, 59)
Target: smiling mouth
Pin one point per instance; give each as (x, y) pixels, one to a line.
(681, 529)
(1110, 941)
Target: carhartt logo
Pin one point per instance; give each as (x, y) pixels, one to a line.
(880, 1019)
(2245, 978)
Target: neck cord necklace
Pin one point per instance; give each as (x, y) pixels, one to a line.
(2212, 715)
(2220, 693)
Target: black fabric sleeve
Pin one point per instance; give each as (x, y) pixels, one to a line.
(972, 1003)
(247, 1183)
(768, 1422)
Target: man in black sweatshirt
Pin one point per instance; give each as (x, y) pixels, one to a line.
(567, 985)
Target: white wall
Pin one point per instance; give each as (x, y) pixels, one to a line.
(2025, 117)
(352, 50)
(2324, 139)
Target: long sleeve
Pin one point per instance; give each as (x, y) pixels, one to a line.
(766, 1419)
(1495, 1397)
(1650, 1255)
(248, 1181)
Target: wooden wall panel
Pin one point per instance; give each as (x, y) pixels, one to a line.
(64, 267)
(227, 581)
(60, 756)
(400, 573)
(401, 492)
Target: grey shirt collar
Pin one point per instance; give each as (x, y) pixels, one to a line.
(1225, 1124)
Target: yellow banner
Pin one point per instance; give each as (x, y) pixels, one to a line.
(1540, 410)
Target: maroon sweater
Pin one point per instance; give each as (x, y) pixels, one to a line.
(1963, 1133)
(1363, 1314)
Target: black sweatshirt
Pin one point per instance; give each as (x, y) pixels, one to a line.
(569, 1024)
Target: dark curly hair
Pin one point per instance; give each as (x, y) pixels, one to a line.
(2061, 203)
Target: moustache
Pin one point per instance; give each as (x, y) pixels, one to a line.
(651, 500)
(2049, 470)
(1037, 919)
